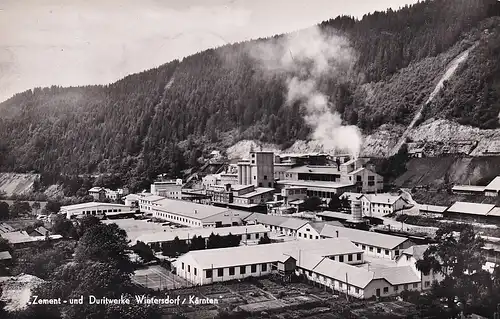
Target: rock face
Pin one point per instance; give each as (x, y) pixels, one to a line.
(12, 183)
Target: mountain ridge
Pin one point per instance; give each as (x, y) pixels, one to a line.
(164, 119)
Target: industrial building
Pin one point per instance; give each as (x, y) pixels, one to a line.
(168, 189)
(208, 266)
(372, 243)
(249, 233)
(196, 215)
(101, 193)
(258, 170)
(491, 190)
(473, 212)
(330, 262)
(245, 197)
(410, 256)
(382, 204)
(92, 209)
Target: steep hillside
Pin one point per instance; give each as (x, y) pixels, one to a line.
(440, 171)
(17, 183)
(163, 119)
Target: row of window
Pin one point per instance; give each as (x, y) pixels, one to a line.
(93, 212)
(387, 252)
(219, 272)
(179, 219)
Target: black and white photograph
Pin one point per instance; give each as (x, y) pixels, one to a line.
(248, 159)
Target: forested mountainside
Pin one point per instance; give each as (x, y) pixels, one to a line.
(162, 119)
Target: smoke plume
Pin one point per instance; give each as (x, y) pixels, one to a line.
(311, 60)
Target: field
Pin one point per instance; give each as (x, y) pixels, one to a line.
(135, 228)
(257, 297)
(158, 278)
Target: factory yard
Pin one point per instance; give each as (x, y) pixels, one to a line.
(263, 297)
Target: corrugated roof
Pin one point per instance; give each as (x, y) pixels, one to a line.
(337, 215)
(315, 184)
(313, 169)
(397, 275)
(468, 188)
(470, 208)
(363, 237)
(494, 185)
(189, 233)
(188, 209)
(433, 208)
(246, 255)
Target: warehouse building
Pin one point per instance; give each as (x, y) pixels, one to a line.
(247, 234)
(473, 212)
(216, 265)
(372, 243)
(196, 215)
(318, 260)
(92, 209)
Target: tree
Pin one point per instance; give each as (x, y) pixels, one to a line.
(264, 240)
(230, 240)
(335, 203)
(19, 208)
(43, 261)
(104, 243)
(64, 227)
(144, 251)
(4, 211)
(86, 223)
(214, 241)
(197, 243)
(53, 206)
(345, 202)
(459, 258)
(179, 246)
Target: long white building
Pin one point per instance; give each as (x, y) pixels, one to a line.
(250, 233)
(372, 243)
(330, 262)
(194, 215)
(92, 209)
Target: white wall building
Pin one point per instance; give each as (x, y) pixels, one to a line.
(410, 256)
(196, 215)
(382, 204)
(216, 265)
(258, 170)
(92, 209)
(168, 189)
(372, 243)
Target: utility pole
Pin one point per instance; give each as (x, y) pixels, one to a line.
(347, 290)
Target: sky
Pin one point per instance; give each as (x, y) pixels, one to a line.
(82, 42)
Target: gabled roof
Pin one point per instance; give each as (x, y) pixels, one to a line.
(468, 188)
(417, 251)
(254, 254)
(188, 209)
(280, 221)
(363, 237)
(153, 198)
(396, 275)
(318, 226)
(97, 189)
(494, 185)
(470, 208)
